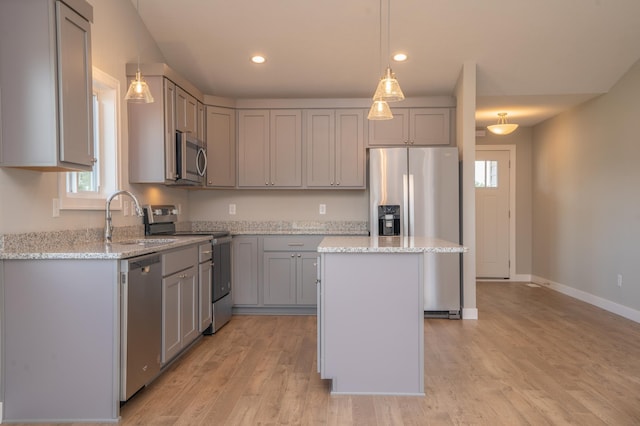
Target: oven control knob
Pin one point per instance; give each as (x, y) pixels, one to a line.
(157, 212)
(174, 211)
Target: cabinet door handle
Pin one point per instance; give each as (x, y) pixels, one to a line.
(295, 244)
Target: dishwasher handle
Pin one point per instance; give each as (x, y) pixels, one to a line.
(143, 263)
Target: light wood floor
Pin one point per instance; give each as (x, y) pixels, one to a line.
(534, 357)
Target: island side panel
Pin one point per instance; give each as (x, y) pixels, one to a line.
(60, 340)
(372, 322)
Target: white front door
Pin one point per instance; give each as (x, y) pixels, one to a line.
(492, 213)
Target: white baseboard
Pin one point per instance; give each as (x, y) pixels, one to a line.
(519, 278)
(607, 305)
(469, 313)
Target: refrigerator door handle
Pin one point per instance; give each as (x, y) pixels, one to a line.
(407, 204)
(410, 230)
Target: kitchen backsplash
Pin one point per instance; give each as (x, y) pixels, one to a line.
(46, 241)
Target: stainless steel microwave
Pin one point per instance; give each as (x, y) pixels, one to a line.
(191, 160)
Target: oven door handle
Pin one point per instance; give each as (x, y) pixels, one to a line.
(202, 152)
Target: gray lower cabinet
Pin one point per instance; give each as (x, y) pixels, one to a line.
(275, 273)
(46, 79)
(245, 271)
(289, 278)
(180, 325)
(205, 275)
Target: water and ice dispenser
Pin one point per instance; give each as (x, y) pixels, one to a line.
(388, 220)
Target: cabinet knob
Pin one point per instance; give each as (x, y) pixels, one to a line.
(293, 255)
(299, 255)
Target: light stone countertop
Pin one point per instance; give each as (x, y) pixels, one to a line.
(122, 249)
(360, 244)
(88, 243)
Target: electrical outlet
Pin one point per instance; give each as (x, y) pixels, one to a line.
(323, 209)
(125, 208)
(179, 208)
(619, 280)
(232, 209)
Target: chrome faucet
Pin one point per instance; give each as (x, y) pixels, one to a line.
(108, 227)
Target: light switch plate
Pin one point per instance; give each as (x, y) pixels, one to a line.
(323, 209)
(232, 209)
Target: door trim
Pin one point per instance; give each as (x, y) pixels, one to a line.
(512, 201)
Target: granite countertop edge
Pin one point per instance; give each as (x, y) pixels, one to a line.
(361, 244)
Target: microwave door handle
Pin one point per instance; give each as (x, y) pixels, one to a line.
(202, 152)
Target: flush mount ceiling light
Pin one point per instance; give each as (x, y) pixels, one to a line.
(138, 90)
(400, 57)
(502, 128)
(388, 89)
(258, 59)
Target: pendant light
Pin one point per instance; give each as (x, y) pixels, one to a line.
(388, 88)
(502, 128)
(380, 109)
(138, 90)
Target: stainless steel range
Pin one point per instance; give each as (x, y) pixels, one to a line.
(161, 220)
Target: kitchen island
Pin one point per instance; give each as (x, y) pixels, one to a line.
(371, 312)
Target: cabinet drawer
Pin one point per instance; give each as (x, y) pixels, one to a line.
(179, 260)
(205, 252)
(292, 243)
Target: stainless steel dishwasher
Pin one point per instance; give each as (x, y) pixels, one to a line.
(141, 323)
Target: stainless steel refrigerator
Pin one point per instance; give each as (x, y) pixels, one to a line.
(419, 194)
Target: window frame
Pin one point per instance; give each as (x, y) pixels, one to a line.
(108, 159)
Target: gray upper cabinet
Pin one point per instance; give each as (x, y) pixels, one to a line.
(412, 126)
(270, 148)
(186, 112)
(221, 147)
(201, 122)
(46, 108)
(335, 151)
(152, 128)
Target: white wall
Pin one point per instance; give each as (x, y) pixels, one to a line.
(465, 135)
(351, 205)
(26, 196)
(586, 198)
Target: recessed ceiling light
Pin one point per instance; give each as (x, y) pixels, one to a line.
(400, 57)
(258, 59)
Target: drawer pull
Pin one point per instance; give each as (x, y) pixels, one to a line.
(295, 244)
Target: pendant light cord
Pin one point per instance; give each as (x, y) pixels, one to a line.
(380, 35)
(389, 33)
(138, 33)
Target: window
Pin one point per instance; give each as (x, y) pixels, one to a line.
(89, 190)
(486, 174)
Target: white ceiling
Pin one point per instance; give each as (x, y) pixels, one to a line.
(534, 58)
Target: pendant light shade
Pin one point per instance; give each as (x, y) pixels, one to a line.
(502, 128)
(388, 88)
(138, 89)
(380, 111)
